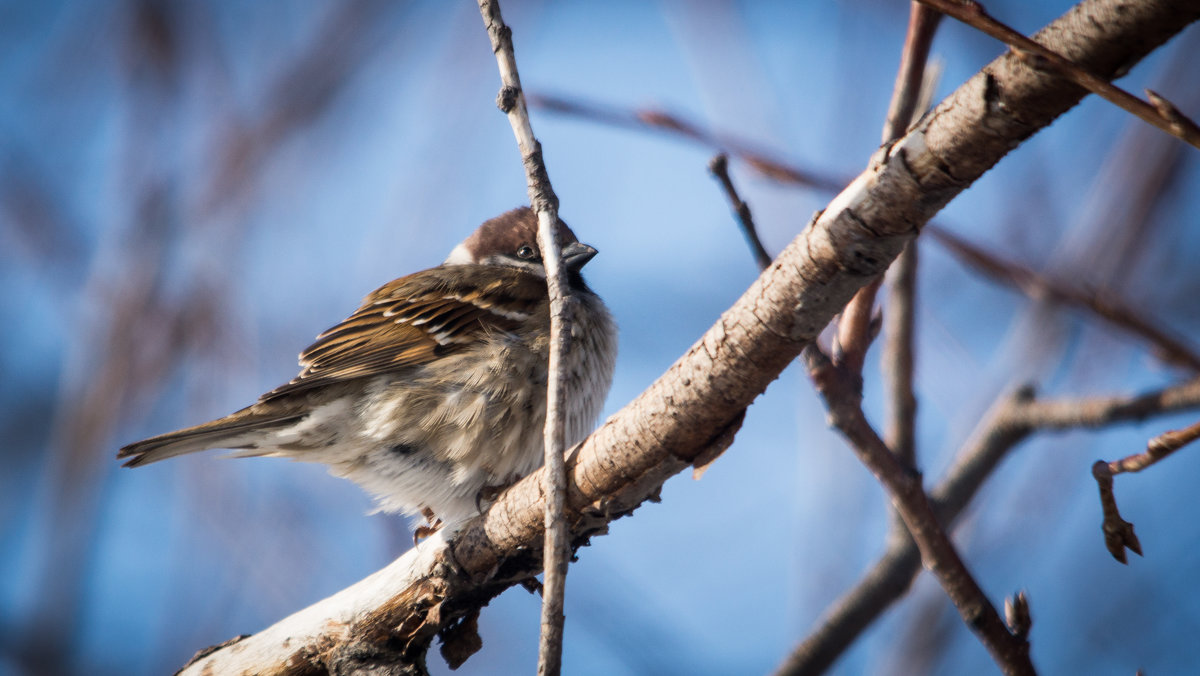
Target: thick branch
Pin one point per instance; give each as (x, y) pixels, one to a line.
(692, 411)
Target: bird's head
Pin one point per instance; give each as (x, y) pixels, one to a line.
(510, 239)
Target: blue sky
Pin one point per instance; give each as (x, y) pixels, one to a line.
(118, 192)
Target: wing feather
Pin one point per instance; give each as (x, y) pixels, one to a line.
(416, 319)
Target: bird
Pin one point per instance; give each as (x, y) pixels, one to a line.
(431, 396)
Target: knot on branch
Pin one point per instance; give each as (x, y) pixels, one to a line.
(506, 100)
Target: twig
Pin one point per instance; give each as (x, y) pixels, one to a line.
(903, 109)
(843, 400)
(1158, 448)
(1161, 114)
(1118, 533)
(1012, 420)
(854, 333)
(719, 167)
(1039, 287)
(913, 84)
(676, 125)
(557, 548)
(854, 330)
(899, 358)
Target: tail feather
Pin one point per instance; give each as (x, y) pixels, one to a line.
(237, 431)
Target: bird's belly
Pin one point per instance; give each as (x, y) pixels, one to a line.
(433, 437)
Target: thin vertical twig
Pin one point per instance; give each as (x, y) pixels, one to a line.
(906, 93)
(556, 551)
(854, 331)
(910, 96)
(899, 357)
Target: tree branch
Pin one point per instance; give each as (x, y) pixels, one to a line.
(556, 548)
(855, 334)
(1039, 287)
(1010, 421)
(840, 391)
(719, 167)
(675, 125)
(691, 413)
(898, 357)
(1160, 112)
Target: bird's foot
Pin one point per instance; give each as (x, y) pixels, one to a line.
(431, 526)
(488, 494)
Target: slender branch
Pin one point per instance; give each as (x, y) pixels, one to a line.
(1118, 533)
(854, 330)
(1010, 421)
(557, 547)
(1158, 448)
(843, 400)
(898, 350)
(899, 357)
(1038, 287)
(1161, 114)
(719, 167)
(676, 125)
(903, 109)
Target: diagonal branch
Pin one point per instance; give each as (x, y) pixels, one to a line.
(693, 410)
(1039, 287)
(678, 126)
(1160, 113)
(1010, 421)
(839, 389)
(719, 167)
(557, 548)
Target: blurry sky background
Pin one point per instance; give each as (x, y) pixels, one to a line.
(191, 191)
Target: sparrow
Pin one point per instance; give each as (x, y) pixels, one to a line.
(431, 396)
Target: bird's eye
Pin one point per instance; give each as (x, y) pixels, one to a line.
(526, 252)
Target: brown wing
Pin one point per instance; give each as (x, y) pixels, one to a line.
(416, 319)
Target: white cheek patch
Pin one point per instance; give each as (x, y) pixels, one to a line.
(459, 256)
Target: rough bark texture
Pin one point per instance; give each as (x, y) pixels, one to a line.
(691, 412)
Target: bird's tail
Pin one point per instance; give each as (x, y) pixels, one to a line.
(237, 431)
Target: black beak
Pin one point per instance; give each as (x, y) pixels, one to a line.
(576, 254)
